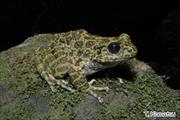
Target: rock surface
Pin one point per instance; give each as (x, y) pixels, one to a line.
(25, 95)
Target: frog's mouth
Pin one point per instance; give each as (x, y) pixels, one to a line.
(109, 64)
(111, 61)
(95, 66)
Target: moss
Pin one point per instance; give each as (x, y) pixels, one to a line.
(151, 95)
(26, 84)
(4, 72)
(27, 96)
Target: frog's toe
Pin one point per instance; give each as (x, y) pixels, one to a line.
(72, 90)
(64, 86)
(100, 99)
(100, 88)
(92, 81)
(53, 88)
(65, 82)
(120, 80)
(106, 89)
(91, 92)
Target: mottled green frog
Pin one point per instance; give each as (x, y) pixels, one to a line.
(79, 54)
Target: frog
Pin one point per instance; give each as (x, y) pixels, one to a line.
(76, 54)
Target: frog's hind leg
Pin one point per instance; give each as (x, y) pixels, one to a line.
(53, 81)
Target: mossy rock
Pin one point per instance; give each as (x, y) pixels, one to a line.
(25, 95)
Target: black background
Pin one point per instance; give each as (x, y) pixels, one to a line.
(21, 19)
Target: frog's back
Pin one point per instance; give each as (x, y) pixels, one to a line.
(61, 54)
(75, 45)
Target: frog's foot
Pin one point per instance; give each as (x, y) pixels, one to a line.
(95, 95)
(91, 90)
(53, 81)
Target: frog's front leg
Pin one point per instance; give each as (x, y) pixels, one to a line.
(53, 81)
(93, 88)
(97, 88)
(79, 81)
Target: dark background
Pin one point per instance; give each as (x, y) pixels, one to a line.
(150, 24)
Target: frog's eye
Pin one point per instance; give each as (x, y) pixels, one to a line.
(114, 47)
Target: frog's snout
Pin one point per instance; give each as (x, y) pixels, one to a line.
(130, 52)
(133, 51)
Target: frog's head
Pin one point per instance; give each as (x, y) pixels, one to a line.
(117, 49)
